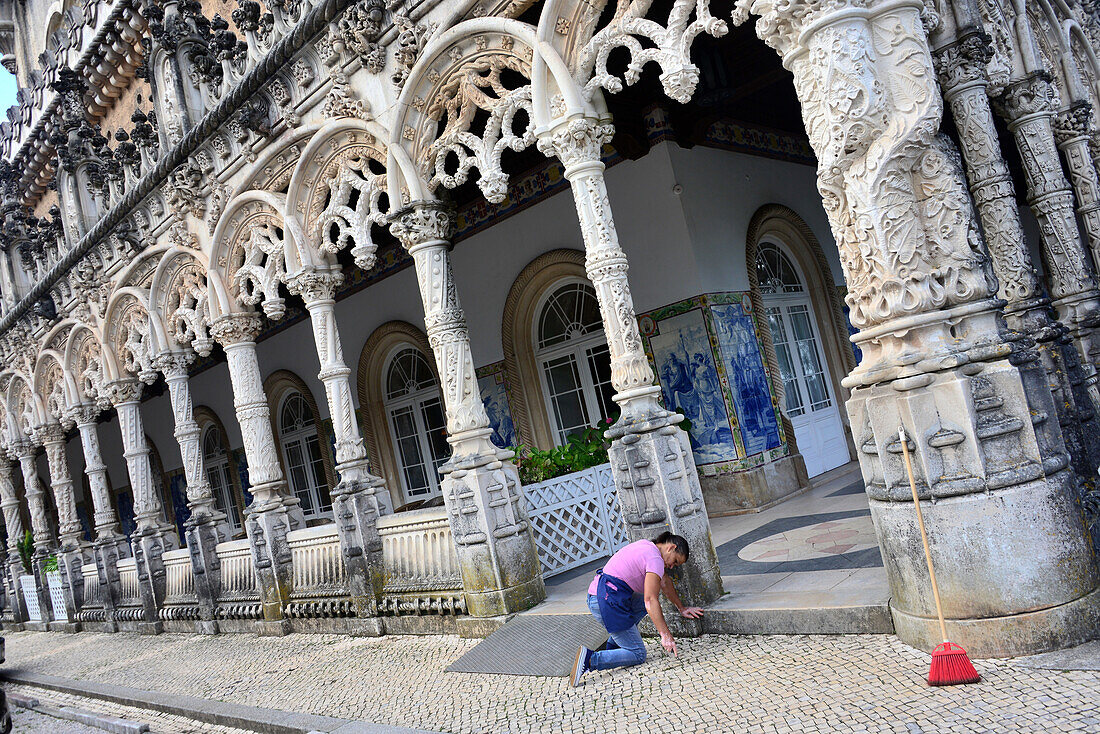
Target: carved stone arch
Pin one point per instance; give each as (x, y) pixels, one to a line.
(208, 419)
(571, 28)
(275, 168)
(25, 410)
(53, 385)
(530, 414)
(481, 65)
(372, 363)
(180, 302)
(250, 252)
(276, 386)
(1088, 65)
(338, 190)
(782, 225)
(89, 363)
(127, 335)
(1047, 32)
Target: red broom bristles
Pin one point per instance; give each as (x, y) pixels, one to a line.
(951, 666)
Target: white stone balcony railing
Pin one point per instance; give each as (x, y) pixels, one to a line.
(91, 585)
(421, 567)
(320, 579)
(238, 574)
(180, 579)
(129, 591)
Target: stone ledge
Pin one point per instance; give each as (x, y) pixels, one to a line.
(858, 619)
(249, 718)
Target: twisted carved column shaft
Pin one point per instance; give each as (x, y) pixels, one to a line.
(125, 395)
(36, 500)
(61, 482)
(237, 333)
(1028, 106)
(1072, 130)
(200, 498)
(317, 290)
(9, 503)
(104, 518)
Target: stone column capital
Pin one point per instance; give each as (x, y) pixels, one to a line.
(1073, 123)
(127, 390)
(315, 285)
(236, 328)
(49, 433)
(1032, 95)
(963, 62)
(173, 364)
(576, 140)
(83, 413)
(422, 223)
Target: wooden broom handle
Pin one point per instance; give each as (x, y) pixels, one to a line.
(923, 534)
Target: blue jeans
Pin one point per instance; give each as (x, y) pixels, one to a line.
(630, 650)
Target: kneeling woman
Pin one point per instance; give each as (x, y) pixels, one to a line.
(623, 592)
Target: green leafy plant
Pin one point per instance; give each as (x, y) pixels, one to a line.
(582, 450)
(26, 550)
(50, 564)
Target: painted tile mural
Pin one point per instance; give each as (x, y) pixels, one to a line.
(708, 357)
(741, 357)
(494, 393)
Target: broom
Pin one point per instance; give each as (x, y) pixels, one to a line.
(950, 665)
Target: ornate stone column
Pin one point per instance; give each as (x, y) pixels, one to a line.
(658, 485)
(1073, 132)
(71, 556)
(207, 526)
(13, 523)
(1014, 567)
(360, 497)
(1055, 383)
(273, 512)
(110, 545)
(501, 573)
(152, 535)
(44, 543)
(1028, 107)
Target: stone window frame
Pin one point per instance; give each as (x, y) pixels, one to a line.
(527, 401)
(276, 387)
(413, 399)
(783, 226)
(373, 360)
(207, 419)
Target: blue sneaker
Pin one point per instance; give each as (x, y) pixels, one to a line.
(580, 666)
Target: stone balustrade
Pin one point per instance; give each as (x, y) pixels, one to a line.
(91, 586)
(180, 601)
(320, 581)
(239, 598)
(421, 567)
(130, 605)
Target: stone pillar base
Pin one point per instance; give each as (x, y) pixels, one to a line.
(70, 627)
(37, 626)
(366, 627)
(1065, 625)
(208, 627)
(14, 626)
(515, 598)
(273, 628)
(476, 628)
(756, 489)
(150, 628)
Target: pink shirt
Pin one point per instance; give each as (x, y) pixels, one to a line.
(631, 564)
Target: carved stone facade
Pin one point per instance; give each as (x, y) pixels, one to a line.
(179, 192)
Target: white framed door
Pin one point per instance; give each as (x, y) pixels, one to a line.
(807, 385)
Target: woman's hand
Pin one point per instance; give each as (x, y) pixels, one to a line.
(691, 612)
(668, 643)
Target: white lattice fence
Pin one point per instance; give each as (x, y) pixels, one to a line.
(575, 519)
(30, 596)
(57, 596)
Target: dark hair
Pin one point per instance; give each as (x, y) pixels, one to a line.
(677, 540)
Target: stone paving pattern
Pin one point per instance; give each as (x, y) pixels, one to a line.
(858, 683)
(159, 723)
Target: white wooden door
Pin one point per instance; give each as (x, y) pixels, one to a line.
(807, 385)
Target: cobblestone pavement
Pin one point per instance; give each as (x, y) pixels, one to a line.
(865, 683)
(31, 720)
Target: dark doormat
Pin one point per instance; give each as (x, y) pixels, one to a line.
(533, 644)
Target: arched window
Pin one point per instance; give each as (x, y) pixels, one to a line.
(220, 475)
(575, 365)
(302, 455)
(417, 420)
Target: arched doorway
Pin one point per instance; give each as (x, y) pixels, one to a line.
(809, 399)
